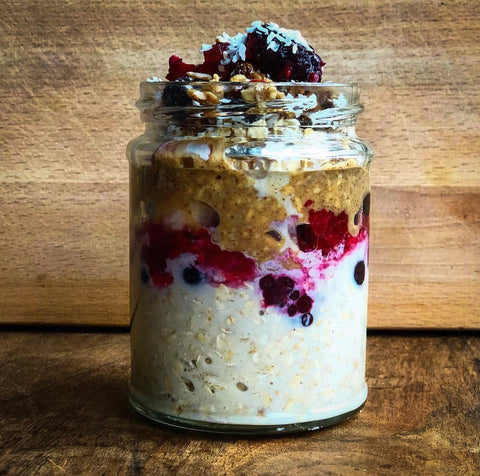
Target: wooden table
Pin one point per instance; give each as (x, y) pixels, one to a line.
(64, 410)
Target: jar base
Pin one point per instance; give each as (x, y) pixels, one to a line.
(236, 429)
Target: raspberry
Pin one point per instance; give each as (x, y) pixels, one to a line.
(211, 64)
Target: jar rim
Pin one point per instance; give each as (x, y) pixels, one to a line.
(336, 84)
(341, 97)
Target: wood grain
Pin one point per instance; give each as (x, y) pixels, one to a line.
(64, 410)
(69, 75)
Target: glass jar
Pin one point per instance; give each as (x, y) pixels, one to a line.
(249, 217)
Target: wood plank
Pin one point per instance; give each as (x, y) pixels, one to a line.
(425, 264)
(64, 410)
(69, 74)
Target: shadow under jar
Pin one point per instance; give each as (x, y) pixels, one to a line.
(249, 217)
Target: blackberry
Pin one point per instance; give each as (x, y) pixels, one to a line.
(175, 95)
(251, 118)
(276, 290)
(280, 58)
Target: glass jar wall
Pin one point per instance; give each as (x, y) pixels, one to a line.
(249, 217)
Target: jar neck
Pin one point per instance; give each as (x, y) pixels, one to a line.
(208, 105)
(272, 121)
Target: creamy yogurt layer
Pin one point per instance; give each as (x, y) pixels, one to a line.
(214, 353)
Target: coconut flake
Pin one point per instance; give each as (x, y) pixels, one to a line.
(242, 50)
(281, 35)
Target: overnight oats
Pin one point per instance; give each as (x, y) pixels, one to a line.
(249, 217)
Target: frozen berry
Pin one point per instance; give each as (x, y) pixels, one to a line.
(295, 295)
(251, 118)
(192, 275)
(292, 310)
(307, 319)
(282, 55)
(304, 303)
(276, 290)
(175, 95)
(359, 272)
(306, 238)
(285, 285)
(305, 120)
(325, 232)
(211, 65)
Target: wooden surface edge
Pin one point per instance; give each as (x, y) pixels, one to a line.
(64, 410)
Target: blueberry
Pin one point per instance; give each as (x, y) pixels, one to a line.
(359, 273)
(307, 319)
(192, 275)
(144, 276)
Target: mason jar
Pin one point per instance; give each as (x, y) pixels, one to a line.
(249, 222)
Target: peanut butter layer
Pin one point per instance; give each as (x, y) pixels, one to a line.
(228, 203)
